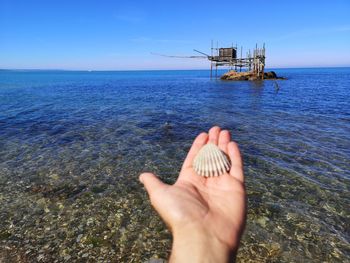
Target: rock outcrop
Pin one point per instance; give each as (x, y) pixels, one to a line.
(234, 75)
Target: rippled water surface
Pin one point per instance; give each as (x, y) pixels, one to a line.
(73, 143)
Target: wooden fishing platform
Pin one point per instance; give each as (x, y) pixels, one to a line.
(254, 62)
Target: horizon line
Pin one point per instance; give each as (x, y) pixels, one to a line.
(123, 70)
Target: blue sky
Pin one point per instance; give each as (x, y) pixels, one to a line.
(120, 35)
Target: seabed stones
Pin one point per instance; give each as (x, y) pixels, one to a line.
(211, 161)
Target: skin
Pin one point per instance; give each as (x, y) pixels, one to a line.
(205, 215)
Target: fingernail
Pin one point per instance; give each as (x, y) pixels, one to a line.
(140, 179)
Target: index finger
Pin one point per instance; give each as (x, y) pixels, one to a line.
(198, 143)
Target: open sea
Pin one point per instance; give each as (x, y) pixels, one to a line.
(72, 144)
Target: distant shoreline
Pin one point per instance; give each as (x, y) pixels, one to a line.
(145, 70)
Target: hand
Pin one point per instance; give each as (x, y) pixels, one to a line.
(205, 215)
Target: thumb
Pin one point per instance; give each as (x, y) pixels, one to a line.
(151, 182)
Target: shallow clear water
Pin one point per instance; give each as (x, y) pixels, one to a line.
(73, 143)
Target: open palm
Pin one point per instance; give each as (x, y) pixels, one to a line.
(214, 205)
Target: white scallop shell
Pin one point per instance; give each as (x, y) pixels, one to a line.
(211, 161)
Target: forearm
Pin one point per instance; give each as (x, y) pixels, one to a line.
(198, 246)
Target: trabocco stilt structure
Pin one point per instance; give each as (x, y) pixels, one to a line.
(254, 62)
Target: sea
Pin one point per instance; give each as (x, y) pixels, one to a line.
(73, 143)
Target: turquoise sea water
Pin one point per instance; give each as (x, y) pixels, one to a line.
(73, 143)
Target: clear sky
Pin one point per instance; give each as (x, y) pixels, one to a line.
(118, 35)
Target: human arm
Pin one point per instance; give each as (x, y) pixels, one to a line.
(205, 215)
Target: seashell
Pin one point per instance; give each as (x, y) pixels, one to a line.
(211, 161)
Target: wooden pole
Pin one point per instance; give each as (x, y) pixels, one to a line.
(240, 66)
(211, 62)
